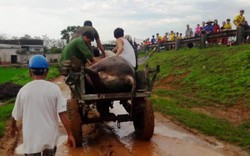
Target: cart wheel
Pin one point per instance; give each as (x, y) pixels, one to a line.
(143, 118)
(75, 120)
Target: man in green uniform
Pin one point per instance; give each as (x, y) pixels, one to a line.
(79, 51)
(79, 48)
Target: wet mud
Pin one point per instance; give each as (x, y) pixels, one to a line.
(170, 139)
(8, 90)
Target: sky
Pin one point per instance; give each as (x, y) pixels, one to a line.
(139, 18)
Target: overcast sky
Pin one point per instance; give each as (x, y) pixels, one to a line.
(139, 18)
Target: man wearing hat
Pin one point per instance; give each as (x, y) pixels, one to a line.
(38, 105)
(209, 27)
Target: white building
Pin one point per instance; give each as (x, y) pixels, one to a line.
(20, 51)
(8, 53)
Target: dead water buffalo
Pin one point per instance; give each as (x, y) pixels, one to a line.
(111, 75)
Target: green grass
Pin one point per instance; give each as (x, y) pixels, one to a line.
(142, 54)
(5, 114)
(221, 129)
(8, 72)
(17, 76)
(21, 75)
(204, 77)
(219, 74)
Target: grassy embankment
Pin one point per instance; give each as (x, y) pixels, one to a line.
(17, 76)
(199, 78)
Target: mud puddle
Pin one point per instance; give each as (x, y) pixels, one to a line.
(169, 139)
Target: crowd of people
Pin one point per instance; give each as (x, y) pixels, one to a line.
(205, 27)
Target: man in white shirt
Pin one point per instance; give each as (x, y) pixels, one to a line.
(123, 47)
(189, 32)
(37, 105)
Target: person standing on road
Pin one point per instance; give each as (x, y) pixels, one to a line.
(37, 105)
(87, 26)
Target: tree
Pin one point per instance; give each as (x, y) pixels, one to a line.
(57, 46)
(65, 35)
(25, 37)
(55, 50)
(14, 38)
(68, 32)
(46, 41)
(37, 37)
(52, 45)
(3, 37)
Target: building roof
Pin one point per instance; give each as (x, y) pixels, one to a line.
(22, 42)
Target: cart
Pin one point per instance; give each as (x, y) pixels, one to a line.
(138, 107)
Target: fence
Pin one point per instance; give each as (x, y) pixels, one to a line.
(239, 33)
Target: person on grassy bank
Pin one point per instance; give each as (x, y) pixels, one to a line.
(38, 105)
(241, 25)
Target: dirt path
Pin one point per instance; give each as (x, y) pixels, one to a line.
(169, 139)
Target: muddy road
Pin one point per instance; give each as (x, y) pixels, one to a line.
(170, 139)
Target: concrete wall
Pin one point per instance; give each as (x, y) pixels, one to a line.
(24, 58)
(5, 55)
(35, 48)
(6, 51)
(52, 58)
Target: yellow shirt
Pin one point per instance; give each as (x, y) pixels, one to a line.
(179, 37)
(171, 37)
(239, 20)
(228, 26)
(159, 38)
